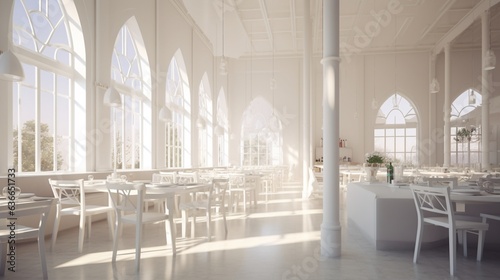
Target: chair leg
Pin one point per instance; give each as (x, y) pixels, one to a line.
(193, 225)
(3, 257)
(480, 244)
(81, 233)
(225, 223)
(41, 252)
(464, 241)
(245, 201)
(184, 223)
(138, 238)
(56, 227)
(209, 221)
(115, 240)
(453, 250)
(418, 242)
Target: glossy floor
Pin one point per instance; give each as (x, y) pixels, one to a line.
(277, 240)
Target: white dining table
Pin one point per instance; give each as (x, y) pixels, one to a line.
(168, 192)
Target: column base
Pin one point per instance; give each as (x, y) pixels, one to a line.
(330, 241)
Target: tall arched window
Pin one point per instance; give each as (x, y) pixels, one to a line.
(49, 105)
(205, 123)
(465, 115)
(178, 132)
(261, 135)
(222, 130)
(395, 132)
(133, 119)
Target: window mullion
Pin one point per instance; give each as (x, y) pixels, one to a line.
(38, 160)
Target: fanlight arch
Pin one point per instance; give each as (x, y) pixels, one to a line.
(396, 127)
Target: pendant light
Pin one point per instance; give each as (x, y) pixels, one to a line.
(10, 67)
(434, 87)
(223, 62)
(112, 97)
(489, 58)
(274, 124)
(472, 97)
(165, 114)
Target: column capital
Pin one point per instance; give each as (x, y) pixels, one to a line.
(330, 58)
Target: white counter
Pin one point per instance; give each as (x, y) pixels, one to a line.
(387, 216)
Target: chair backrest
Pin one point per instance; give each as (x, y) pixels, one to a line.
(163, 178)
(187, 177)
(432, 201)
(252, 181)
(127, 197)
(433, 181)
(68, 191)
(218, 190)
(236, 180)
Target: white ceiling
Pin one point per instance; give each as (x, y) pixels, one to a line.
(416, 25)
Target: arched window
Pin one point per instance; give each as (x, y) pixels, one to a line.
(261, 135)
(465, 115)
(133, 119)
(222, 130)
(49, 105)
(395, 132)
(178, 132)
(205, 123)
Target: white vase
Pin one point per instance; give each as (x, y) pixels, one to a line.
(371, 170)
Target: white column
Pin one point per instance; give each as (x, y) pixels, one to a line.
(486, 82)
(6, 144)
(306, 103)
(428, 149)
(330, 227)
(447, 106)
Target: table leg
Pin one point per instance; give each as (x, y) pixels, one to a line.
(171, 234)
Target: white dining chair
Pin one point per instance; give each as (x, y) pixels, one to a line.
(71, 200)
(159, 178)
(245, 186)
(215, 201)
(128, 203)
(33, 208)
(434, 207)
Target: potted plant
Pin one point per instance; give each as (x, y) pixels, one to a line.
(465, 135)
(371, 166)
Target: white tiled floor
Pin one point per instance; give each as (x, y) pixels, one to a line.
(279, 240)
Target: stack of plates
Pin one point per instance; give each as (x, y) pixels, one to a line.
(466, 192)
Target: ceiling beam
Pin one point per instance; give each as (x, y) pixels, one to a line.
(293, 25)
(463, 24)
(446, 7)
(265, 17)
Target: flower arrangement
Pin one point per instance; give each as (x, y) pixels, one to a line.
(374, 158)
(465, 134)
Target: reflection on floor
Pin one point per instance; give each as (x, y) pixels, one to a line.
(277, 240)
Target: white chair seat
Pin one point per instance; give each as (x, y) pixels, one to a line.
(90, 210)
(459, 224)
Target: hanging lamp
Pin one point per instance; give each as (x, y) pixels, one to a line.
(112, 97)
(10, 67)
